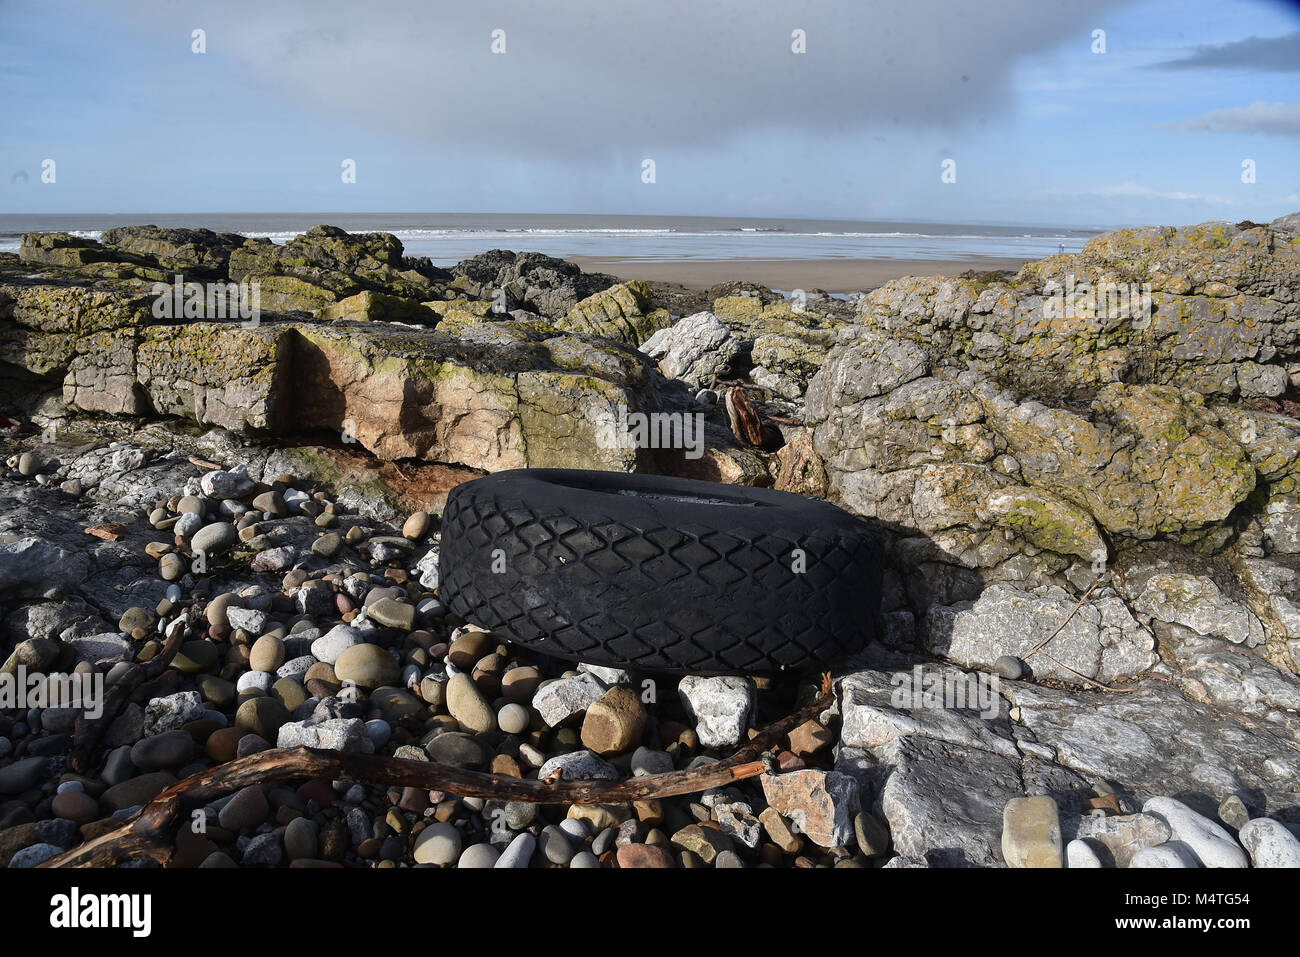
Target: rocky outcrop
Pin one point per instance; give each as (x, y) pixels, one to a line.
(542, 284)
(1091, 521)
(326, 264)
(1005, 496)
(1210, 308)
(199, 253)
(623, 313)
(345, 343)
(497, 397)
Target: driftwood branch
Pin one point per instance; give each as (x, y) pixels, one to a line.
(151, 834)
(88, 732)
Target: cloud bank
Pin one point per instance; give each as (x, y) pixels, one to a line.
(595, 75)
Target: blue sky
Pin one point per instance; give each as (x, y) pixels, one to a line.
(1042, 129)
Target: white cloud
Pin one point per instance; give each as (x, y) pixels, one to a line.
(586, 77)
(1279, 118)
(1132, 189)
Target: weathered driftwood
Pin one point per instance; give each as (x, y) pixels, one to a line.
(88, 732)
(151, 834)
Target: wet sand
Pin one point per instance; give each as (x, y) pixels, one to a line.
(832, 275)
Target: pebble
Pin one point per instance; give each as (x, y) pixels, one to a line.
(555, 845)
(416, 526)
(1212, 844)
(519, 852)
(327, 545)
(23, 775)
(1009, 667)
(558, 701)
(468, 706)
(1031, 832)
(1233, 813)
(1270, 843)
(170, 749)
(262, 715)
(246, 810)
(615, 722)
(1124, 835)
(263, 851)
(267, 653)
(575, 828)
(438, 844)
(704, 842)
(466, 650)
(1173, 854)
(300, 839)
(214, 539)
(822, 802)
(728, 859)
(578, 766)
(254, 681)
(334, 642)
(249, 620)
(603, 841)
(171, 567)
(1080, 854)
(647, 761)
(644, 856)
(719, 706)
(584, 860)
(75, 806)
(33, 855)
(392, 613)
(513, 718)
(478, 855)
(188, 524)
(872, 835)
(519, 684)
(367, 666)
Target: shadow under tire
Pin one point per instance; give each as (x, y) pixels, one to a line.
(653, 573)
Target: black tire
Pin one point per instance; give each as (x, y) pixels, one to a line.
(659, 574)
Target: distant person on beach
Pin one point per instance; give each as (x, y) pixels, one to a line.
(1061, 248)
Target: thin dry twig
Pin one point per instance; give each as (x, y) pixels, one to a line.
(1096, 684)
(1079, 604)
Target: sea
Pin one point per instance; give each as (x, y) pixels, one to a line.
(448, 238)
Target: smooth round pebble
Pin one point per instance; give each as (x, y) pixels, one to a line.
(513, 719)
(479, 856)
(438, 843)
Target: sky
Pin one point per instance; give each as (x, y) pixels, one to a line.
(1038, 118)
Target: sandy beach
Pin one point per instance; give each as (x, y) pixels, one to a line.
(832, 275)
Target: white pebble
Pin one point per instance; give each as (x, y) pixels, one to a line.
(1079, 854)
(1270, 843)
(1211, 844)
(255, 680)
(1174, 854)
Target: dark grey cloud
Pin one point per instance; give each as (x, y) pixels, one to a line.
(1260, 54)
(628, 77)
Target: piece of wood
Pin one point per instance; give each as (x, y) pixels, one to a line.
(742, 415)
(151, 834)
(88, 732)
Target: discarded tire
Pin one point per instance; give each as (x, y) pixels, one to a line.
(659, 574)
